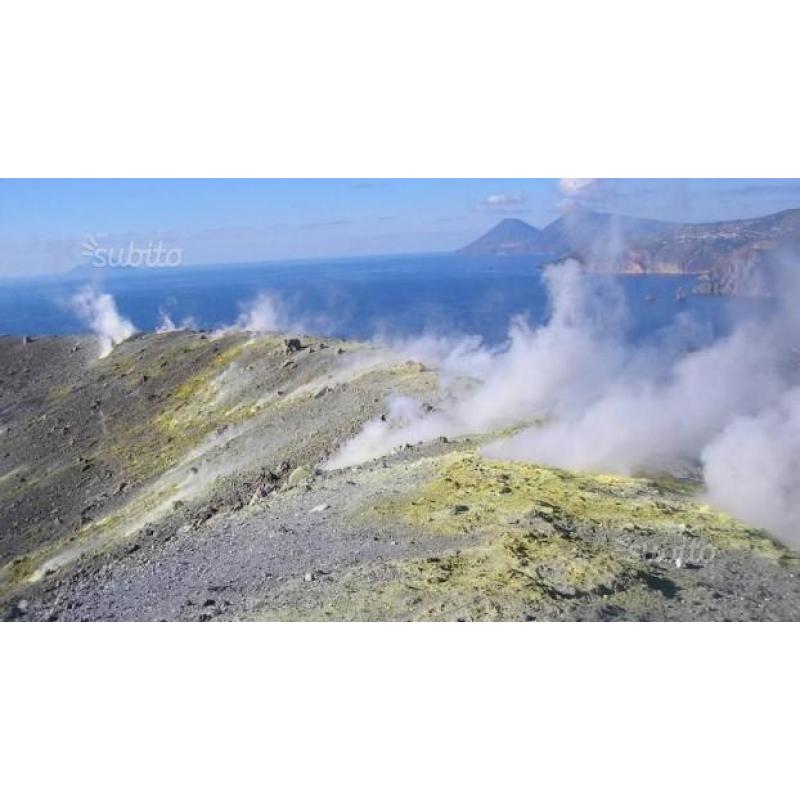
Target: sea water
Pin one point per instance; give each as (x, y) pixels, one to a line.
(391, 296)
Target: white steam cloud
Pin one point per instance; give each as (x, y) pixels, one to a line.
(752, 468)
(584, 398)
(262, 315)
(100, 312)
(267, 313)
(167, 325)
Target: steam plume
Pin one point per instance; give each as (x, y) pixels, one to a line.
(167, 325)
(262, 315)
(586, 399)
(100, 312)
(268, 313)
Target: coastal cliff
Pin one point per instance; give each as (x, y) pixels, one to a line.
(738, 257)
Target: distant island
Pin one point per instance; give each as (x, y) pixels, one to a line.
(737, 257)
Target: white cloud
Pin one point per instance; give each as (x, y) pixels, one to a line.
(514, 201)
(575, 187)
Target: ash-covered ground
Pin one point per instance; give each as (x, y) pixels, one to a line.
(181, 478)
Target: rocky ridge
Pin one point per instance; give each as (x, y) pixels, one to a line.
(182, 478)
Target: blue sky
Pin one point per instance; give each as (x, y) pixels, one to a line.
(43, 223)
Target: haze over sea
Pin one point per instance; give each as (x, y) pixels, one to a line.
(391, 296)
